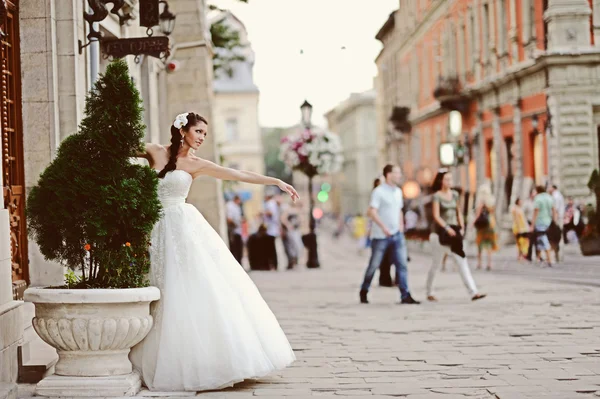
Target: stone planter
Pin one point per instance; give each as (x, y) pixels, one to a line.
(93, 331)
(590, 246)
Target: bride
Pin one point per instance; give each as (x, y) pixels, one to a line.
(211, 328)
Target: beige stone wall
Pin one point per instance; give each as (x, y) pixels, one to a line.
(50, 107)
(245, 152)
(354, 120)
(190, 88)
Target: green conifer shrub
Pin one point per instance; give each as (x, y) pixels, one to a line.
(92, 209)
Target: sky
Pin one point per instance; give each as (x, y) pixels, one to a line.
(326, 73)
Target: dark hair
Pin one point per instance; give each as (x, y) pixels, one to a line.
(376, 183)
(437, 182)
(554, 186)
(176, 139)
(540, 189)
(517, 201)
(387, 169)
(236, 198)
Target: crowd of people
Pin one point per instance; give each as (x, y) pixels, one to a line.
(280, 221)
(542, 222)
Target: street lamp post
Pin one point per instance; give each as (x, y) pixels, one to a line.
(311, 237)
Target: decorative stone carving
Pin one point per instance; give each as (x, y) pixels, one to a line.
(92, 335)
(568, 25)
(92, 331)
(533, 84)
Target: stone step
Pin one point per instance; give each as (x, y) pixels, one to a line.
(36, 358)
(8, 390)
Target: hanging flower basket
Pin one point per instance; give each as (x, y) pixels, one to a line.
(313, 152)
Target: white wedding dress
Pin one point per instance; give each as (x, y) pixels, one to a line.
(212, 328)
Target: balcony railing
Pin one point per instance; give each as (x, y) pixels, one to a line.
(399, 119)
(450, 93)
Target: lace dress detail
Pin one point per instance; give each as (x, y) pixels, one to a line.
(211, 326)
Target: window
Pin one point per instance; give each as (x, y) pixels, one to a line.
(472, 36)
(231, 129)
(503, 31)
(486, 31)
(462, 32)
(426, 75)
(528, 21)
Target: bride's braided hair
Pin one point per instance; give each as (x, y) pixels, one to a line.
(176, 138)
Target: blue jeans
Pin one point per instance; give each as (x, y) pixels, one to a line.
(399, 254)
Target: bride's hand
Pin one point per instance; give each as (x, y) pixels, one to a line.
(283, 186)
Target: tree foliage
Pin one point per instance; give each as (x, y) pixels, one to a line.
(227, 44)
(92, 209)
(273, 165)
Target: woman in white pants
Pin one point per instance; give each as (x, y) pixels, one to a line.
(447, 235)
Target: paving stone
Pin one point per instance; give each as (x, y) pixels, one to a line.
(512, 345)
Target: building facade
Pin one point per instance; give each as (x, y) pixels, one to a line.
(46, 76)
(354, 120)
(236, 126)
(523, 75)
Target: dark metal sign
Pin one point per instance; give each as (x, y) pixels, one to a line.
(153, 46)
(149, 13)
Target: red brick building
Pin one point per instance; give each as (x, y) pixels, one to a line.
(524, 75)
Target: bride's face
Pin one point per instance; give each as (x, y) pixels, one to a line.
(195, 135)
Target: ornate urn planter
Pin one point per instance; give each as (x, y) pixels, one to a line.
(93, 331)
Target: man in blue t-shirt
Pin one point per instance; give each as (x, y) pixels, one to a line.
(387, 231)
(544, 212)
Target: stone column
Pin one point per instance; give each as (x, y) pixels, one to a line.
(191, 89)
(528, 33)
(43, 128)
(498, 184)
(502, 37)
(596, 22)
(568, 25)
(513, 35)
(517, 150)
(475, 31)
(493, 45)
(480, 149)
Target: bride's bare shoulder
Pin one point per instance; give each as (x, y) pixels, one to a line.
(198, 162)
(199, 165)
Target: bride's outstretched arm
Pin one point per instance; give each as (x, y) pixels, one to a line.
(208, 168)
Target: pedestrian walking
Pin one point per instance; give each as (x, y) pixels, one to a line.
(385, 268)
(555, 233)
(273, 224)
(290, 234)
(528, 210)
(449, 231)
(573, 222)
(386, 212)
(359, 231)
(485, 225)
(520, 229)
(234, 227)
(543, 215)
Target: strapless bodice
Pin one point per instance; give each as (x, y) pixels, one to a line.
(173, 189)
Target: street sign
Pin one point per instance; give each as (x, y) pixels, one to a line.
(153, 46)
(148, 13)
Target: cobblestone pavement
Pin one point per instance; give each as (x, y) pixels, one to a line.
(529, 338)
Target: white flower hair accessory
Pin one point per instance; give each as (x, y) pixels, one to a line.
(181, 120)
